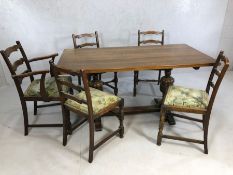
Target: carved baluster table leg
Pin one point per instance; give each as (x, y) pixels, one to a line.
(97, 84)
(165, 82)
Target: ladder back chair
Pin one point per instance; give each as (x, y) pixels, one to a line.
(181, 99)
(43, 89)
(97, 45)
(144, 42)
(89, 103)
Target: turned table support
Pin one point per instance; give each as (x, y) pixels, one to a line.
(165, 82)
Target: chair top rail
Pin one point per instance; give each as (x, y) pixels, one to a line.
(11, 49)
(150, 32)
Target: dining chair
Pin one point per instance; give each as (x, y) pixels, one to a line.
(42, 89)
(146, 42)
(89, 103)
(188, 100)
(96, 44)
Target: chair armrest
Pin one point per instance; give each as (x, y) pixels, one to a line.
(23, 75)
(43, 57)
(43, 73)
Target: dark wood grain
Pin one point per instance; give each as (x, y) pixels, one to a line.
(118, 59)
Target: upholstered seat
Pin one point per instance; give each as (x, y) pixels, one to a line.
(100, 100)
(186, 98)
(33, 89)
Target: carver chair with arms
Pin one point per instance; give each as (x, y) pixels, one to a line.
(188, 100)
(42, 89)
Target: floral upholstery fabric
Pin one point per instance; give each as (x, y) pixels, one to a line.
(186, 97)
(50, 86)
(100, 100)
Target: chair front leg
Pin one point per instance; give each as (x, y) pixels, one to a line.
(65, 114)
(121, 118)
(161, 124)
(135, 82)
(25, 116)
(35, 107)
(159, 77)
(91, 140)
(115, 83)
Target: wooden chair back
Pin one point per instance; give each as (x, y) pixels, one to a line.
(86, 35)
(219, 70)
(13, 66)
(58, 72)
(150, 41)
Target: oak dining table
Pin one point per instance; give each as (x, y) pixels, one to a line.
(134, 58)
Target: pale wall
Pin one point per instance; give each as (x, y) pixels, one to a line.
(226, 42)
(45, 26)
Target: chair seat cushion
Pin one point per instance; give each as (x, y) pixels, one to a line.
(186, 98)
(33, 89)
(100, 101)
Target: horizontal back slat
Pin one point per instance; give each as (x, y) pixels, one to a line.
(217, 72)
(87, 44)
(85, 35)
(151, 41)
(11, 49)
(150, 33)
(17, 63)
(211, 84)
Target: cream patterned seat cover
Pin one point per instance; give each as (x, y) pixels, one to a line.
(100, 100)
(33, 89)
(186, 98)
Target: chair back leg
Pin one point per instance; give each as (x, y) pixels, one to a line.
(206, 126)
(91, 140)
(25, 116)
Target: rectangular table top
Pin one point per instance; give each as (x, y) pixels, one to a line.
(117, 59)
